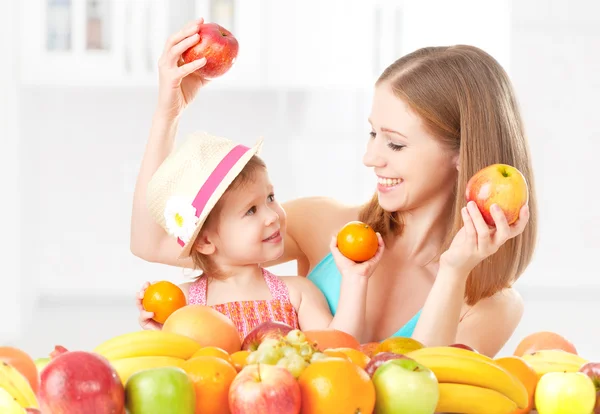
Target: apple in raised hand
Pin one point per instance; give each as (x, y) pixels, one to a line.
(565, 393)
(268, 329)
(499, 184)
(592, 370)
(379, 360)
(160, 390)
(403, 386)
(218, 46)
(262, 388)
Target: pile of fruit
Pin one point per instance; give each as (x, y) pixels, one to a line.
(195, 365)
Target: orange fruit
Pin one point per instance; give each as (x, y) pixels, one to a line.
(357, 241)
(238, 359)
(331, 338)
(212, 377)
(353, 355)
(213, 351)
(22, 362)
(543, 340)
(336, 385)
(163, 298)
(332, 352)
(206, 326)
(524, 373)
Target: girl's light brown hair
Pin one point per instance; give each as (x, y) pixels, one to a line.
(466, 100)
(247, 175)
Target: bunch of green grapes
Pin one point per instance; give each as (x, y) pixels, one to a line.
(292, 352)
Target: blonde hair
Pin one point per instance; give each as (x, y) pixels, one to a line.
(204, 262)
(466, 100)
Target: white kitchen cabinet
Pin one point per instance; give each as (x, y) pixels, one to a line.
(283, 43)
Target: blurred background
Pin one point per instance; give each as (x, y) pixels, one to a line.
(78, 90)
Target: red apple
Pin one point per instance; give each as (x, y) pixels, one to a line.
(261, 388)
(80, 382)
(218, 46)
(463, 346)
(499, 184)
(268, 329)
(379, 359)
(592, 370)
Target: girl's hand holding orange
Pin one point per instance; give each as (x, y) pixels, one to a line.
(357, 249)
(157, 302)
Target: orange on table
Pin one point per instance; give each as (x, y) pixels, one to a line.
(332, 352)
(357, 241)
(238, 359)
(335, 385)
(212, 377)
(331, 338)
(355, 356)
(163, 298)
(525, 373)
(543, 340)
(213, 351)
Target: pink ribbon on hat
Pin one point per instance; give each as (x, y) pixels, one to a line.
(215, 178)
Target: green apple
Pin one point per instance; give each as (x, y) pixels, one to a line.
(41, 363)
(565, 393)
(403, 386)
(159, 391)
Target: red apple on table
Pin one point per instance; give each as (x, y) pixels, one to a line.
(218, 46)
(268, 329)
(592, 370)
(463, 346)
(380, 359)
(262, 388)
(499, 184)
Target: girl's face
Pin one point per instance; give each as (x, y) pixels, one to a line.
(250, 225)
(412, 167)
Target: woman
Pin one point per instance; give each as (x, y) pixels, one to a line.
(438, 116)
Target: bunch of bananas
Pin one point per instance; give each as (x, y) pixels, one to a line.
(471, 383)
(554, 360)
(135, 351)
(15, 392)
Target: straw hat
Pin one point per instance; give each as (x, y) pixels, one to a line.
(188, 184)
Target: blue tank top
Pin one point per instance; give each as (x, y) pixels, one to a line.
(328, 279)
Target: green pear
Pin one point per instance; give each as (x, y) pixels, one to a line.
(159, 391)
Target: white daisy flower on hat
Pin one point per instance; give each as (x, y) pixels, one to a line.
(180, 218)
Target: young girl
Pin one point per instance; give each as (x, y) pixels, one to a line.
(216, 199)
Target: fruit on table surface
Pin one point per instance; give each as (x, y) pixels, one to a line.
(17, 386)
(399, 345)
(554, 360)
(205, 325)
(592, 370)
(565, 393)
(8, 404)
(369, 348)
(163, 298)
(218, 45)
(263, 388)
(212, 377)
(268, 329)
(471, 399)
(357, 241)
(159, 391)
(331, 338)
(126, 367)
(473, 370)
(335, 385)
(213, 351)
(538, 341)
(463, 346)
(23, 363)
(525, 373)
(403, 386)
(499, 184)
(148, 343)
(379, 359)
(80, 382)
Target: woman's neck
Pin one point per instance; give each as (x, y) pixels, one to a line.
(425, 229)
